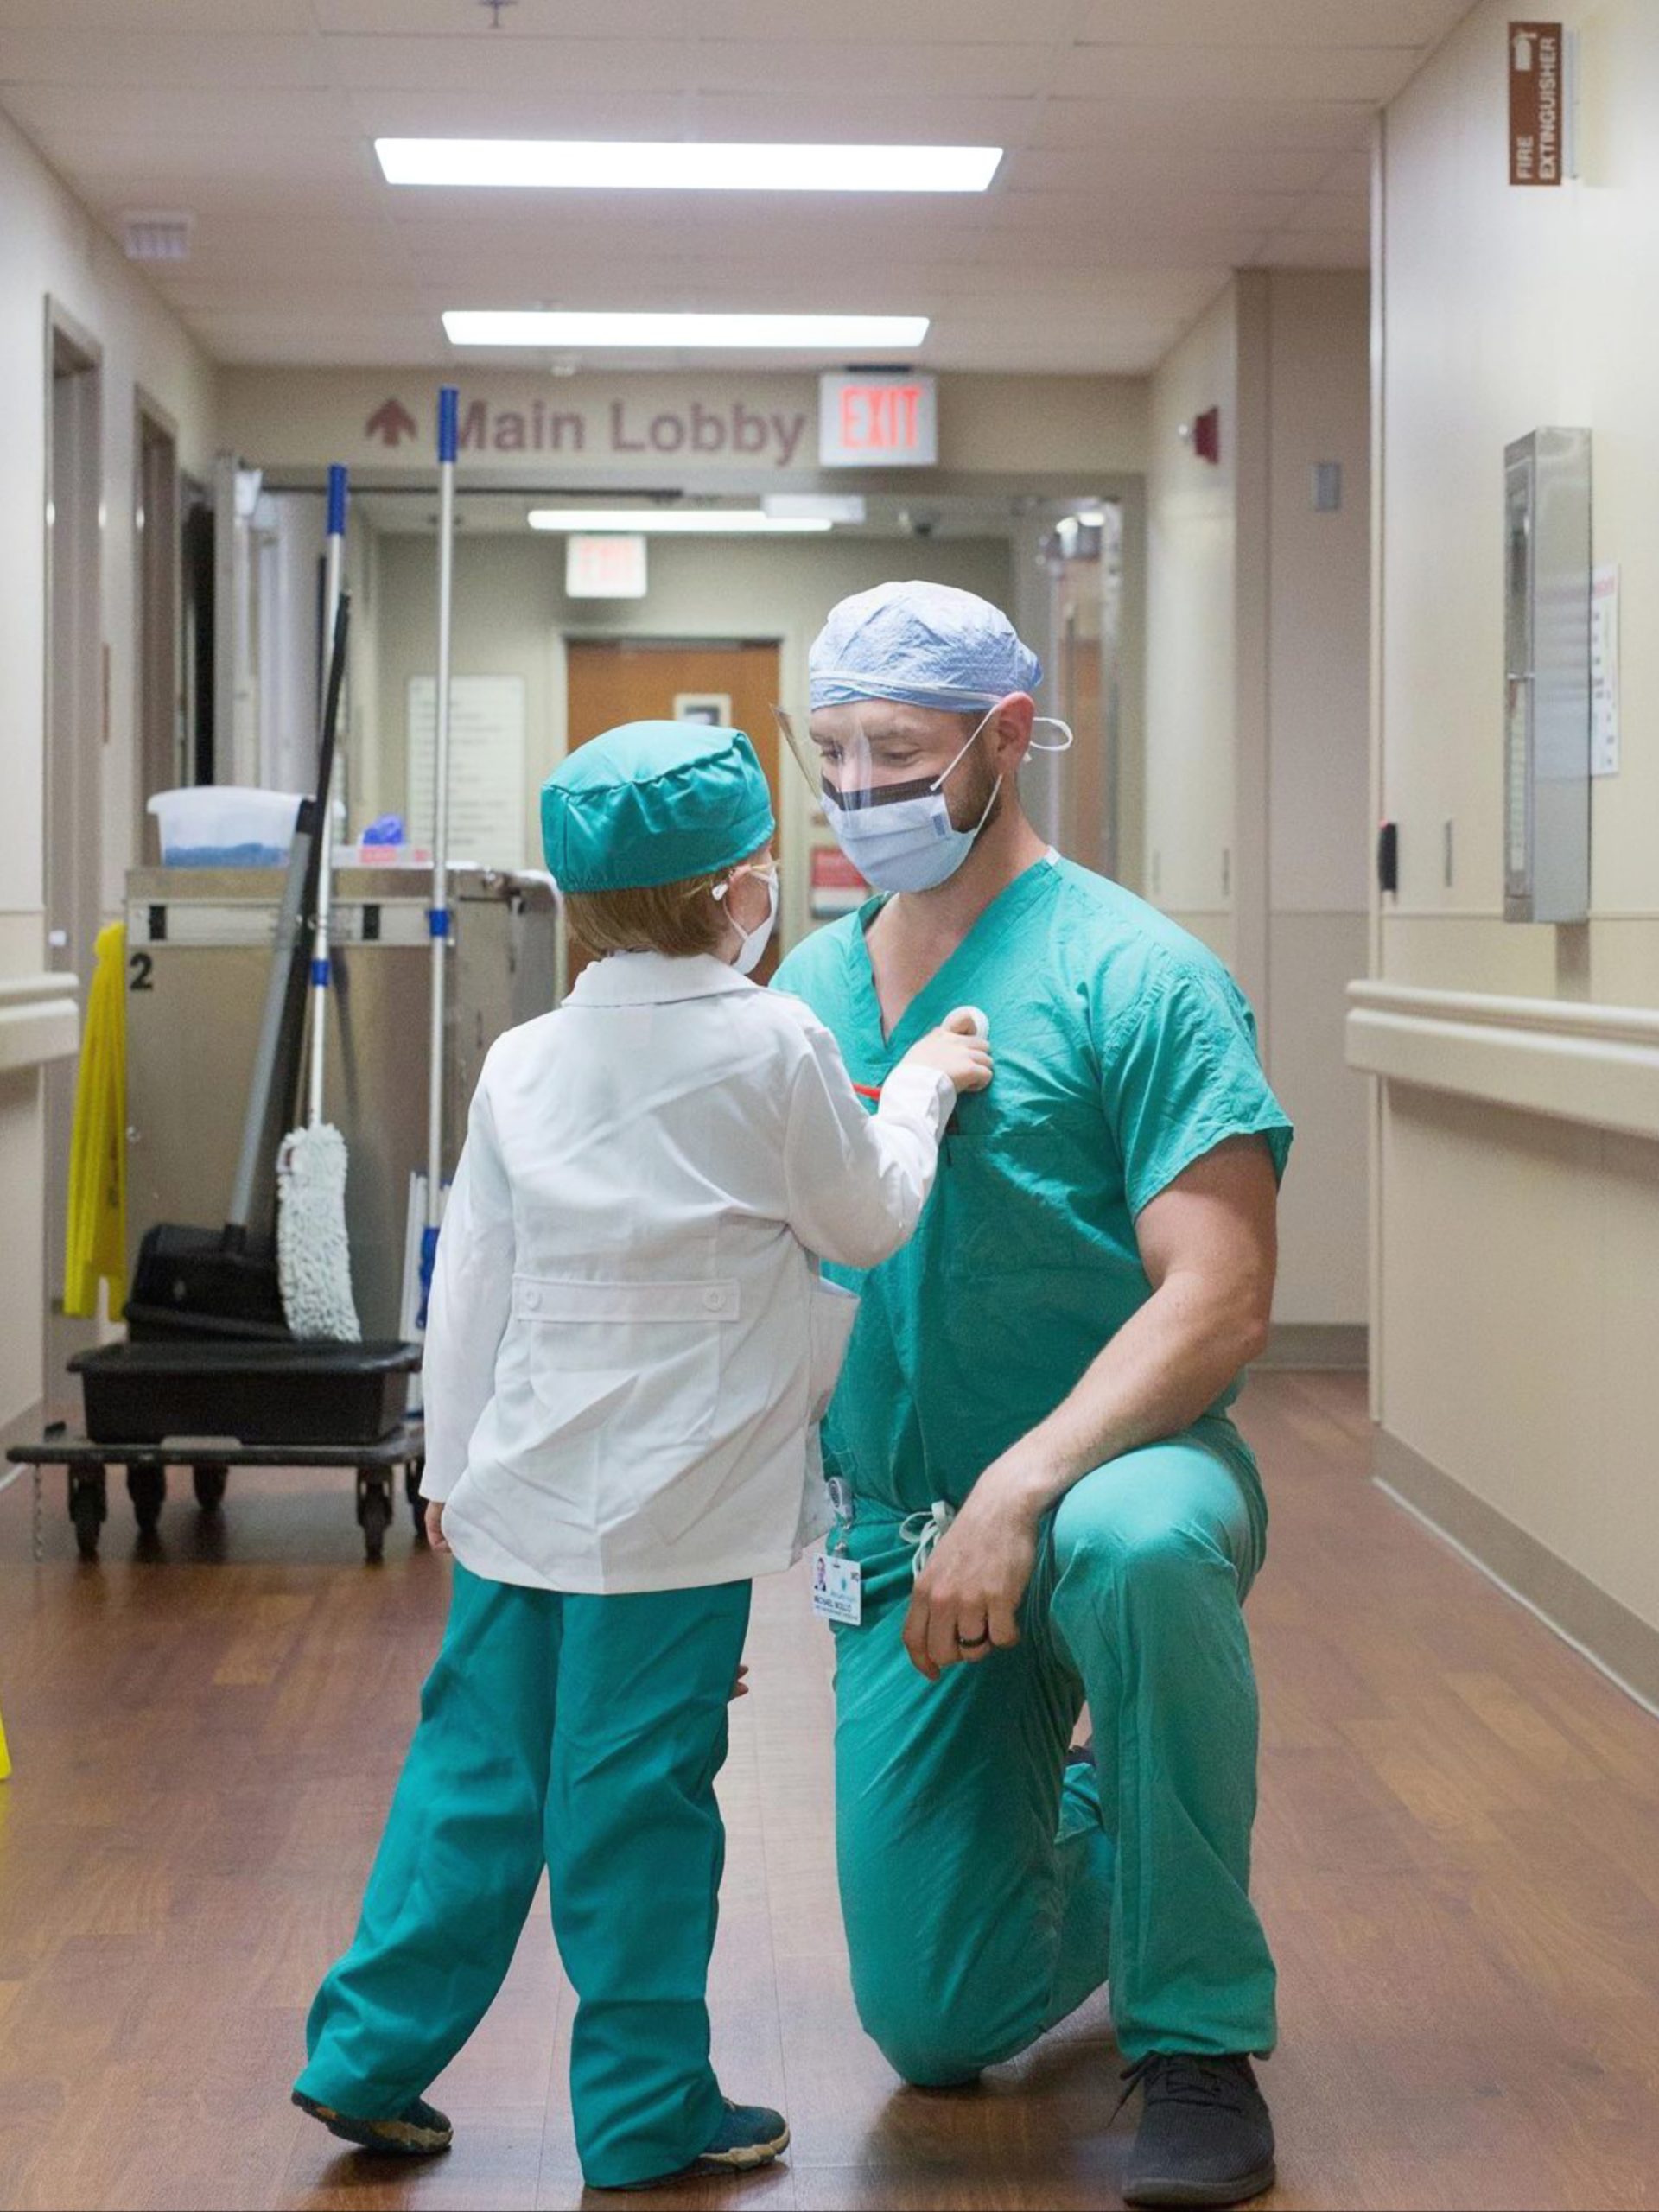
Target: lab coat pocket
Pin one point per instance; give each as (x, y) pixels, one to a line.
(832, 1314)
(633, 1366)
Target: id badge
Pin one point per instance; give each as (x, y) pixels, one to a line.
(838, 1588)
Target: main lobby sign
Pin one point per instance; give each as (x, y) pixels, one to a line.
(616, 430)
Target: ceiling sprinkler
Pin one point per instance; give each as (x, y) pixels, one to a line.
(495, 8)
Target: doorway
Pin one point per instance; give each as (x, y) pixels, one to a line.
(161, 756)
(668, 679)
(76, 725)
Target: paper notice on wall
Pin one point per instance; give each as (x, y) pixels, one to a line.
(487, 766)
(1604, 671)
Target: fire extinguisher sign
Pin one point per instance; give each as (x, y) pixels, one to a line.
(1537, 104)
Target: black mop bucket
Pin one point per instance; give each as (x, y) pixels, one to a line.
(294, 1394)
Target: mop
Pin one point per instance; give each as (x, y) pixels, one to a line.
(437, 920)
(314, 1258)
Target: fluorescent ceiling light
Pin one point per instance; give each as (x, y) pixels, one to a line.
(721, 522)
(677, 167)
(818, 333)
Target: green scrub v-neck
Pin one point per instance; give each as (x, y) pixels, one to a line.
(1123, 1053)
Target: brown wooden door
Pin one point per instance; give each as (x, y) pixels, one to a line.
(637, 680)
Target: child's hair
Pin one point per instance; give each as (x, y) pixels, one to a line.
(678, 918)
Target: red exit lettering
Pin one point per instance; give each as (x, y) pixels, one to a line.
(881, 419)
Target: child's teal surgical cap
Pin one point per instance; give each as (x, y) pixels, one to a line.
(922, 644)
(652, 803)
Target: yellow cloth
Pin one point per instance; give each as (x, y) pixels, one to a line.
(96, 1250)
(5, 1755)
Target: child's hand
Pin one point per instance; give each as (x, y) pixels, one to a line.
(956, 1049)
(434, 1535)
(741, 1687)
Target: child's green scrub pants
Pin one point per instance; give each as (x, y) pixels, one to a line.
(583, 1733)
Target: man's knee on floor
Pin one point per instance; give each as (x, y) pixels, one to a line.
(921, 2043)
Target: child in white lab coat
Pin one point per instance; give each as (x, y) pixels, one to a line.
(629, 1348)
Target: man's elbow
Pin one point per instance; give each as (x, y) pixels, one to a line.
(1250, 1316)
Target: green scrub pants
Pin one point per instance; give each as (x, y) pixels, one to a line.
(987, 1888)
(584, 1734)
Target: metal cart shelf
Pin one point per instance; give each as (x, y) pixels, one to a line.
(209, 1461)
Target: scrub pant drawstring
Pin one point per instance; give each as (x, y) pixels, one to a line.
(922, 1531)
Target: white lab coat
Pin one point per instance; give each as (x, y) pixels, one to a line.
(629, 1346)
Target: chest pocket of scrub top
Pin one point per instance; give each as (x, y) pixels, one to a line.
(632, 1368)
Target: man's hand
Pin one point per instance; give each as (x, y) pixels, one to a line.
(966, 1603)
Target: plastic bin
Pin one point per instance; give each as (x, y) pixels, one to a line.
(256, 1392)
(225, 825)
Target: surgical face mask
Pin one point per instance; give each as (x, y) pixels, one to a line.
(756, 941)
(898, 837)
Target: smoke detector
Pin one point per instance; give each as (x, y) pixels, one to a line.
(157, 237)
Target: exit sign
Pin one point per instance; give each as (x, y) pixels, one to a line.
(873, 421)
(611, 566)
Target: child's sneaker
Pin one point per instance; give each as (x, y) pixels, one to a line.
(420, 2131)
(749, 2136)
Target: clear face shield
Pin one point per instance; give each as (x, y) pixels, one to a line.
(898, 784)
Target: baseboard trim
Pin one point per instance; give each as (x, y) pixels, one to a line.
(1340, 1345)
(1617, 1641)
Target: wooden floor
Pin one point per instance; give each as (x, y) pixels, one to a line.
(1457, 1861)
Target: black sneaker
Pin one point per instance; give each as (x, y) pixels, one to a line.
(420, 2131)
(1205, 2136)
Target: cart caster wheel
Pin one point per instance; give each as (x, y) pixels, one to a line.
(210, 1487)
(373, 1511)
(147, 1488)
(88, 1508)
(412, 1475)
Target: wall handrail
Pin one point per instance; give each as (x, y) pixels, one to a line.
(1598, 1066)
(39, 1019)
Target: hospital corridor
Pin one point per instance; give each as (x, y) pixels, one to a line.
(829, 1105)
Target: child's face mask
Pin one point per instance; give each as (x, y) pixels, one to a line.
(756, 941)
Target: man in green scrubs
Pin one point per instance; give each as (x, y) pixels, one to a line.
(1035, 1468)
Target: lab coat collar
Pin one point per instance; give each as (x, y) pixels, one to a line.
(654, 979)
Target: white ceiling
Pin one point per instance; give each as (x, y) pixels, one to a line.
(1152, 146)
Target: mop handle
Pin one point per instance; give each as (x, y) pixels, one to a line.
(333, 575)
(438, 915)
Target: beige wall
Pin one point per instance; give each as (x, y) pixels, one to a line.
(1257, 717)
(512, 617)
(1516, 1255)
(1191, 528)
(50, 249)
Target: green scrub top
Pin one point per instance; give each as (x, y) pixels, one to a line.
(1123, 1053)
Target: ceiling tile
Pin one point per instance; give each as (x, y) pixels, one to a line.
(982, 71)
(819, 112)
(1227, 73)
(566, 67)
(872, 24)
(135, 62)
(1337, 126)
(177, 113)
(456, 20)
(1170, 168)
(1271, 23)
(102, 18)
(532, 109)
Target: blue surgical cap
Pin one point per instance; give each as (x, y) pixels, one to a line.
(925, 645)
(652, 803)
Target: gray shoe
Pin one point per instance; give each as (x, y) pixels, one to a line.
(1205, 2135)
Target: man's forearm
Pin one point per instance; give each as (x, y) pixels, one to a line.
(1169, 1363)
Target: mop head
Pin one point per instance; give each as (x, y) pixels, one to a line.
(314, 1259)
